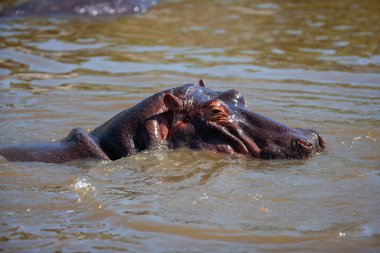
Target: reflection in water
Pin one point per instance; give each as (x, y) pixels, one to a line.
(304, 63)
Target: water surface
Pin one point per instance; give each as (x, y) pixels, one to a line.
(313, 64)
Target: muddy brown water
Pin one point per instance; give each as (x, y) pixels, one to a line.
(312, 64)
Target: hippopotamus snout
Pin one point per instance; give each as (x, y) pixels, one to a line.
(312, 141)
(297, 143)
(307, 143)
(273, 140)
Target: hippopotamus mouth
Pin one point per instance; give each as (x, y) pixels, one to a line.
(206, 119)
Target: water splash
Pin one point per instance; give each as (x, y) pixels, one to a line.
(83, 188)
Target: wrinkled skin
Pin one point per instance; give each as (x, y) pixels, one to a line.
(190, 116)
(79, 7)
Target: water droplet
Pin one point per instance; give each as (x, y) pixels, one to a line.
(203, 196)
(94, 12)
(370, 138)
(341, 234)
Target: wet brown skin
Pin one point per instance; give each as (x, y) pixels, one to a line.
(190, 116)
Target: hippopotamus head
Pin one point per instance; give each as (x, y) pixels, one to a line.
(205, 119)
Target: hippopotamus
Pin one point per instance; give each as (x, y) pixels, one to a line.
(190, 116)
(79, 7)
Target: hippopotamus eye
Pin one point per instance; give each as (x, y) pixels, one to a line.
(215, 111)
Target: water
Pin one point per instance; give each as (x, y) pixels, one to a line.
(312, 64)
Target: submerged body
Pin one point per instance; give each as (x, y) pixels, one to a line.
(191, 116)
(79, 7)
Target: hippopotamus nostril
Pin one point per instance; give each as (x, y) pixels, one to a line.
(318, 139)
(304, 144)
(321, 142)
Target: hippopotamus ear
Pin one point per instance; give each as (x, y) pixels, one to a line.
(202, 83)
(172, 102)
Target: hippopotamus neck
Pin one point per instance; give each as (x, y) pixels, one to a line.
(140, 127)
